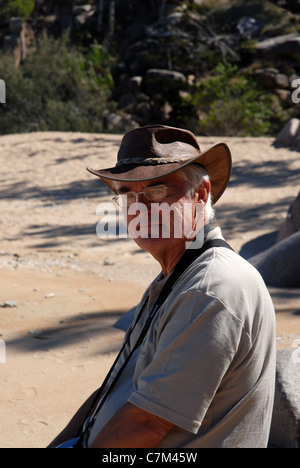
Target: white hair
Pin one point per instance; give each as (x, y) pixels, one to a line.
(195, 175)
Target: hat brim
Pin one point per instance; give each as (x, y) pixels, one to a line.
(216, 161)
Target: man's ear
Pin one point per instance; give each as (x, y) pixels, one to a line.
(202, 192)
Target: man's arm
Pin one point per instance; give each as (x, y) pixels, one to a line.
(132, 427)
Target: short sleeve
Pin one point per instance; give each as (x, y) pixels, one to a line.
(185, 358)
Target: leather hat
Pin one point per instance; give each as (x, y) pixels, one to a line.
(155, 151)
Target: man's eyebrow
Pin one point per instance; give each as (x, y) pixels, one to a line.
(125, 189)
(154, 184)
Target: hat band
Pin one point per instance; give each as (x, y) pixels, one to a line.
(149, 161)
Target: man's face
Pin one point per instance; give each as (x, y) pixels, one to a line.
(159, 224)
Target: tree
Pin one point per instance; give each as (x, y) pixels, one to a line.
(100, 15)
(111, 12)
(111, 20)
(162, 10)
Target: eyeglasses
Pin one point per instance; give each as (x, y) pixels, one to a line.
(153, 194)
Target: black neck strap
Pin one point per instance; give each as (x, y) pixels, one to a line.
(188, 258)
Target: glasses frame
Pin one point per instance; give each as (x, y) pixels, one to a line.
(117, 198)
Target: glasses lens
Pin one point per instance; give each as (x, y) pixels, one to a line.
(155, 193)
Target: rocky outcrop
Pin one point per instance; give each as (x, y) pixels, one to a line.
(281, 46)
(176, 39)
(285, 427)
(292, 222)
(280, 264)
(289, 136)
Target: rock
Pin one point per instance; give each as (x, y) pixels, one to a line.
(249, 28)
(285, 98)
(82, 19)
(118, 122)
(127, 101)
(285, 427)
(143, 111)
(82, 14)
(38, 334)
(49, 296)
(80, 9)
(166, 74)
(292, 221)
(134, 83)
(297, 143)
(108, 261)
(47, 22)
(166, 111)
(282, 81)
(280, 264)
(35, 332)
(266, 77)
(280, 46)
(9, 304)
(288, 137)
(271, 78)
(163, 81)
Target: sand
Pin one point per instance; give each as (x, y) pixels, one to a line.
(68, 286)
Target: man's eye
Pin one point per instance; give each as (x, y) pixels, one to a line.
(156, 191)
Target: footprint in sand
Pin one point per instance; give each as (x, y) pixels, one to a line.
(30, 392)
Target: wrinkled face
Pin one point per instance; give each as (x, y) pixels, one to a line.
(158, 213)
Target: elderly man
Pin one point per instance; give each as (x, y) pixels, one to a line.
(197, 365)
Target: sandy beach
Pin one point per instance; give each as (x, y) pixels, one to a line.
(63, 287)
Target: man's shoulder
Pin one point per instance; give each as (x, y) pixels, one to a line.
(222, 273)
(225, 284)
(222, 265)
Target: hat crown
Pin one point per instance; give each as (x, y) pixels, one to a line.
(158, 142)
(152, 152)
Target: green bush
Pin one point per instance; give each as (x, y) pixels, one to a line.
(56, 89)
(21, 8)
(230, 104)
